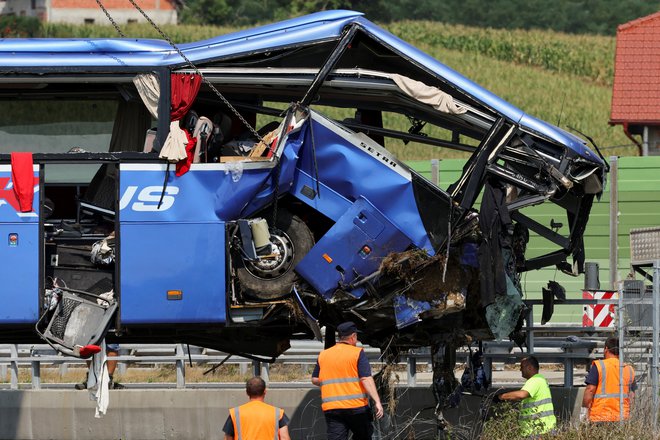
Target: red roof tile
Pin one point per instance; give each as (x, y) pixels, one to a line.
(636, 90)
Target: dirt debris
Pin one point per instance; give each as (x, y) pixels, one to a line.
(424, 276)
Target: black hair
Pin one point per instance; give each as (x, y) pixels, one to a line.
(612, 345)
(532, 362)
(255, 387)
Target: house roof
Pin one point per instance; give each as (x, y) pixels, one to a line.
(636, 91)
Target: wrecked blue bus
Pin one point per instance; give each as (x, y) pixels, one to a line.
(238, 192)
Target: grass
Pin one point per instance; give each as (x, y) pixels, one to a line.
(167, 374)
(505, 426)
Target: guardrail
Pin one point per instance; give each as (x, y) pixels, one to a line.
(551, 349)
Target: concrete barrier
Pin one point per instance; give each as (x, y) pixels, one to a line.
(201, 414)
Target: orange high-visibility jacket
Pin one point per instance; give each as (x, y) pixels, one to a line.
(340, 384)
(256, 420)
(605, 407)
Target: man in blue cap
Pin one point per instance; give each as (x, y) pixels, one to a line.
(344, 375)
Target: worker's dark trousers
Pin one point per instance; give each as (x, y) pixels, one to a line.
(339, 422)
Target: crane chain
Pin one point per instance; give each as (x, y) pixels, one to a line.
(190, 63)
(107, 14)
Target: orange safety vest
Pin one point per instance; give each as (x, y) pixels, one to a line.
(605, 406)
(256, 420)
(340, 384)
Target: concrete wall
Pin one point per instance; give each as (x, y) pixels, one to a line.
(200, 414)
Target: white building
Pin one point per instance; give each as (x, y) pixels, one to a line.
(89, 12)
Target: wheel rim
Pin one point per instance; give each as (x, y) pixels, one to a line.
(276, 267)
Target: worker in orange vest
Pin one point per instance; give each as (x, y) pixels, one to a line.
(256, 420)
(601, 397)
(344, 375)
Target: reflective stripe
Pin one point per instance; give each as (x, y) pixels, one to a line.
(348, 397)
(603, 379)
(239, 434)
(277, 423)
(538, 415)
(537, 403)
(340, 380)
(610, 395)
(603, 383)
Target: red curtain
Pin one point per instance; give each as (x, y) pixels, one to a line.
(184, 92)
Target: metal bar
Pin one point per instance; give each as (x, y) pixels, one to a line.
(256, 368)
(404, 136)
(412, 371)
(36, 375)
(621, 353)
(530, 329)
(329, 64)
(568, 373)
(264, 372)
(542, 230)
(180, 367)
(614, 220)
(13, 367)
(656, 340)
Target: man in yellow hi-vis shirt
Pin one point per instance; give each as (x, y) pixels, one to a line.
(537, 415)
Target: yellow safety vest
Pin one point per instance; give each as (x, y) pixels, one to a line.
(537, 414)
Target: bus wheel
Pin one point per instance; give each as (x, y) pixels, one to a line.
(272, 278)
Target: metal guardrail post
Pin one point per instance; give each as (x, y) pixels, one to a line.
(568, 372)
(488, 362)
(530, 328)
(13, 367)
(622, 353)
(264, 372)
(614, 221)
(256, 368)
(35, 366)
(412, 371)
(180, 367)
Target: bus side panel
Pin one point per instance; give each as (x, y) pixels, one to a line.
(172, 241)
(19, 253)
(173, 273)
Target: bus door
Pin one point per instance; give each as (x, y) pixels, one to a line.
(172, 242)
(19, 245)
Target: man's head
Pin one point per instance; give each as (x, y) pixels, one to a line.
(612, 347)
(529, 367)
(255, 388)
(347, 332)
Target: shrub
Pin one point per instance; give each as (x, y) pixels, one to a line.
(12, 26)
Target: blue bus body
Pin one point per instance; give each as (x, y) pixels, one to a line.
(351, 230)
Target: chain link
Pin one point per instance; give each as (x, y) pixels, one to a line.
(216, 91)
(107, 14)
